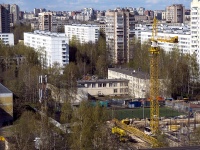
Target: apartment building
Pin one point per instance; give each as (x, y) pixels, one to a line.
(4, 18)
(47, 22)
(140, 10)
(104, 87)
(7, 38)
(120, 24)
(102, 27)
(84, 33)
(138, 81)
(54, 47)
(14, 13)
(183, 39)
(195, 29)
(175, 13)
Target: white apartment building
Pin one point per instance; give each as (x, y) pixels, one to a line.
(138, 81)
(84, 33)
(183, 40)
(104, 87)
(53, 46)
(195, 29)
(7, 38)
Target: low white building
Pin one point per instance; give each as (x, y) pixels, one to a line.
(84, 33)
(138, 81)
(7, 38)
(54, 47)
(104, 87)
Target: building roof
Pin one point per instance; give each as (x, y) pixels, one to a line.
(4, 90)
(84, 25)
(102, 81)
(47, 33)
(131, 72)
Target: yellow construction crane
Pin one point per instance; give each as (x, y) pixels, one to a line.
(154, 76)
(154, 82)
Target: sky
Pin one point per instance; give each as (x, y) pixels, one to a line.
(69, 5)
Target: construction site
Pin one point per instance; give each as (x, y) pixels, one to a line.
(157, 131)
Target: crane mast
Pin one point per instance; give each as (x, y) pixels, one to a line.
(154, 80)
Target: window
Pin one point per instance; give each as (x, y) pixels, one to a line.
(121, 84)
(110, 84)
(104, 84)
(100, 85)
(125, 84)
(115, 84)
(93, 85)
(121, 90)
(115, 90)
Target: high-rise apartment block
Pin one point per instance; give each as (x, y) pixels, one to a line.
(47, 22)
(195, 29)
(4, 19)
(120, 24)
(175, 13)
(14, 13)
(84, 33)
(54, 47)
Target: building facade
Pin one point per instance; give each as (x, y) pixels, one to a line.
(6, 107)
(54, 47)
(183, 40)
(195, 29)
(4, 19)
(175, 13)
(84, 33)
(7, 38)
(120, 24)
(14, 11)
(47, 22)
(138, 81)
(105, 87)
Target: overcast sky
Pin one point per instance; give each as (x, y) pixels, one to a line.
(68, 5)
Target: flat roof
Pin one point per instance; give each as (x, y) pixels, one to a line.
(102, 81)
(83, 25)
(4, 90)
(47, 33)
(131, 72)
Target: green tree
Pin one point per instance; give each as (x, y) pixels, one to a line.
(23, 131)
(89, 128)
(18, 31)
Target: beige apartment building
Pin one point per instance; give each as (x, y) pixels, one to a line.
(104, 87)
(138, 81)
(47, 22)
(175, 13)
(120, 25)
